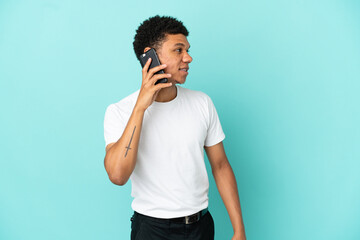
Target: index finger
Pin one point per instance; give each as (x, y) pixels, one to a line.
(147, 65)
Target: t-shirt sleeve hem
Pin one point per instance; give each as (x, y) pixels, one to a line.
(111, 140)
(107, 143)
(215, 141)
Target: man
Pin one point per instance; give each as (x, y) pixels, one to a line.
(156, 137)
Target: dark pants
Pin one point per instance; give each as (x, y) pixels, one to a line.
(147, 228)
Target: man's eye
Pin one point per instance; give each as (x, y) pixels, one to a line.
(180, 50)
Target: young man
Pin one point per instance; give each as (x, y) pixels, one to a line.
(156, 137)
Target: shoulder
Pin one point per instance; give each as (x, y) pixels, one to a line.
(195, 95)
(198, 101)
(125, 105)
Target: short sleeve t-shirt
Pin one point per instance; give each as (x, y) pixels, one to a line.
(170, 178)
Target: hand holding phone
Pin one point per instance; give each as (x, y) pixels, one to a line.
(154, 63)
(149, 91)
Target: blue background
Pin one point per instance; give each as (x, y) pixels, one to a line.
(283, 75)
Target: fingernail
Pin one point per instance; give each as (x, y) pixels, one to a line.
(164, 65)
(149, 59)
(169, 74)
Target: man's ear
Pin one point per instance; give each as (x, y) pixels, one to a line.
(146, 49)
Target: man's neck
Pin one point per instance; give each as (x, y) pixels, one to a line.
(166, 94)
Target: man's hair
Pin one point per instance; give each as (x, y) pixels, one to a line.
(152, 32)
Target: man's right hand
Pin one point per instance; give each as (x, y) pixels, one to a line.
(149, 90)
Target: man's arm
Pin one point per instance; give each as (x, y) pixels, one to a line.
(226, 184)
(120, 158)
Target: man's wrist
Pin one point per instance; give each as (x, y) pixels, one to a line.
(239, 235)
(137, 109)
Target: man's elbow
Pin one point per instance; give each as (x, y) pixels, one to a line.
(118, 180)
(221, 165)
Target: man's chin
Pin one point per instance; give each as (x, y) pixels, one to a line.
(180, 82)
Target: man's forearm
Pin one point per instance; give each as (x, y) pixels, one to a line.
(120, 159)
(226, 184)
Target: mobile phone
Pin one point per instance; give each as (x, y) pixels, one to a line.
(154, 62)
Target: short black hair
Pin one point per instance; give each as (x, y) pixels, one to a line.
(152, 32)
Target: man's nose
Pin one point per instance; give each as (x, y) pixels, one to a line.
(187, 58)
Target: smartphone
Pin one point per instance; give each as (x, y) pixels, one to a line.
(154, 62)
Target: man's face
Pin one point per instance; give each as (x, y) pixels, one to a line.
(174, 53)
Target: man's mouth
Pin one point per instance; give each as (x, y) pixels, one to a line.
(184, 69)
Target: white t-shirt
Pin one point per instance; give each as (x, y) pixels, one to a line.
(170, 178)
